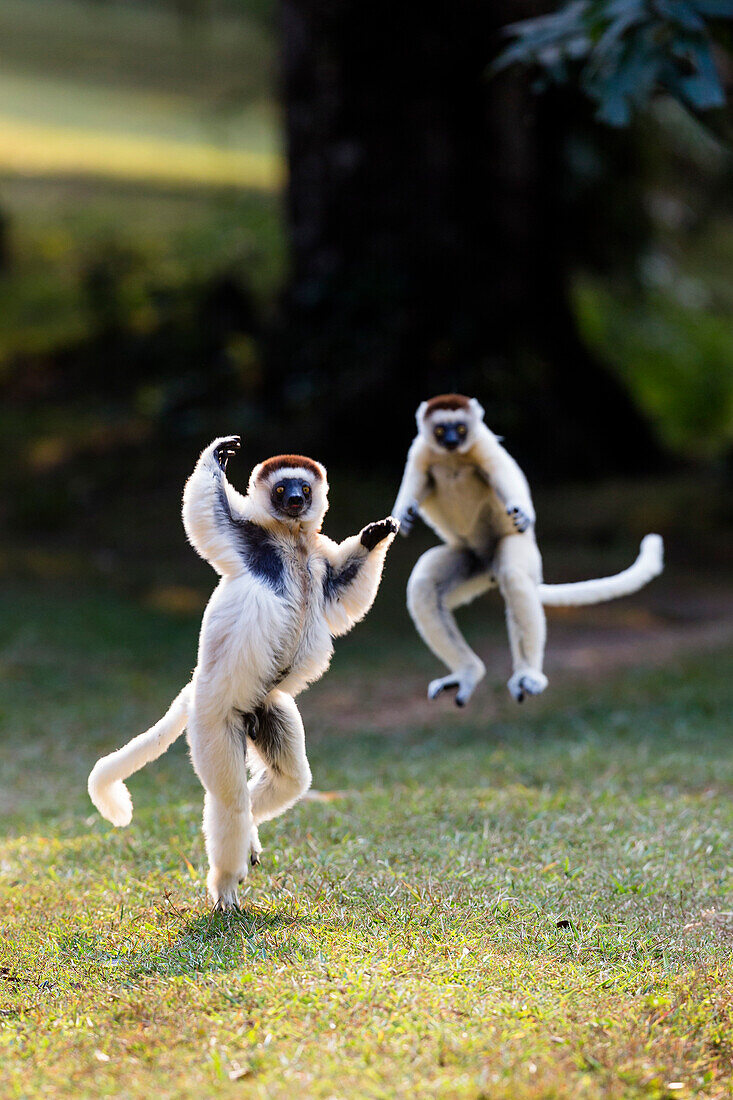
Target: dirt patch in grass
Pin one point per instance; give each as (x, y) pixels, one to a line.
(584, 644)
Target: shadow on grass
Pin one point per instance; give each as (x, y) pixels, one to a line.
(205, 943)
(224, 941)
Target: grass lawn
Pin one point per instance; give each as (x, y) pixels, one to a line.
(534, 906)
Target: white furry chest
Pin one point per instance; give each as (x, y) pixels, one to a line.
(303, 613)
(459, 500)
(256, 636)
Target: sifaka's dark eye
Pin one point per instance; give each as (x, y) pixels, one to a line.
(439, 432)
(306, 490)
(461, 429)
(280, 490)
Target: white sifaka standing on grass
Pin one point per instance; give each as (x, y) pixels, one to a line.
(285, 591)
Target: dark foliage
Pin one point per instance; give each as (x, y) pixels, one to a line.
(625, 51)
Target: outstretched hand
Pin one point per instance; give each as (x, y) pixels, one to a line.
(226, 448)
(374, 533)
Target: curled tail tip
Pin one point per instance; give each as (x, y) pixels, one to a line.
(653, 545)
(111, 799)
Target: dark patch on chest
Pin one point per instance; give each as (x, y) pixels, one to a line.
(257, 549)
(261, 555)
(335, 580)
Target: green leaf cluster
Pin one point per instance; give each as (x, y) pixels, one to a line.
(626, 51)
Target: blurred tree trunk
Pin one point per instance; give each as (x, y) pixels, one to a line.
(431, 239)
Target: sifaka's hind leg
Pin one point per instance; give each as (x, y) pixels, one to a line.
(281, 773)
(218, 755)
(444, 578)
(518, 568)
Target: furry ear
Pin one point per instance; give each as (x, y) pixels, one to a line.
(477, 408)
(420, 414)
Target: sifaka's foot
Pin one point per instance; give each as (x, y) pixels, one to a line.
(255, 848)
(526, 681)
(227, 905)
(223, 889)
(463, 686)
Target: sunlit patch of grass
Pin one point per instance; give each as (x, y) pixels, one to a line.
(515, 911)
(35, 149)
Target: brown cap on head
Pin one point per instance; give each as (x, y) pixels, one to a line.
(281, 462)
(450, 401)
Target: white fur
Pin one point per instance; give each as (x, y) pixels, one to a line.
(648, 565)
(262, 641)
(477, 499)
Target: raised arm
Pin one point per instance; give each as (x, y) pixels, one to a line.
(504, 475)
(353, 572)
(215, 514)
(414, 488)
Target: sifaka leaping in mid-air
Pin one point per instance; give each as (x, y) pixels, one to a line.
(469, 489)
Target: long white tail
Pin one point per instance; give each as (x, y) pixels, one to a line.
(106, 788)
(648, 565)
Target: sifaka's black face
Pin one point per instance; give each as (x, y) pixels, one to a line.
(291, 496)
(450, 434)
